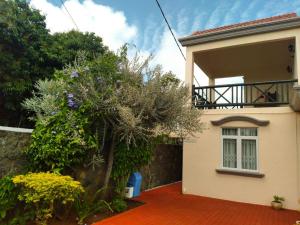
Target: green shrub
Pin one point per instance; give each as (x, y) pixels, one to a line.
(43, 190)
(12, 211)
(118, 205)
(129, 159)
(61, 142)
(8, 196)
(88, 205)
(85, 208)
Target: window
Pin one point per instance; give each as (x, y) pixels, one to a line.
(239, 149)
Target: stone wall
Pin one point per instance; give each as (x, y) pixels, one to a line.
(12, 142)
(165, 166)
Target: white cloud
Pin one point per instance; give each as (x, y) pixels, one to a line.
(107, 23)
(233, 14)
(199, 21)
(113, 27)
(216, 15)
(168, 55)
(182, 21)
(246, 14)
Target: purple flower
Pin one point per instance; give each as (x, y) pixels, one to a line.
(74, 74)
(72, 104)
(70, 95)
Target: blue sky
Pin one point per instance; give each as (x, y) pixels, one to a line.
(139, 21)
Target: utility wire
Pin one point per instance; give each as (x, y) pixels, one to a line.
(63, 3)
(170, 29)
(163, 14)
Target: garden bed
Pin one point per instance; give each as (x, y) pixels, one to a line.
(71, 220)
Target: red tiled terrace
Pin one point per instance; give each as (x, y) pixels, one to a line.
(167, 206)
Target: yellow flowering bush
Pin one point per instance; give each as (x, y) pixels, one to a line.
(42, 190)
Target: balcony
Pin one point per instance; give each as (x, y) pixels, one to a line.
(258, 94)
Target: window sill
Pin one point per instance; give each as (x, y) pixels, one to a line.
(240, 173)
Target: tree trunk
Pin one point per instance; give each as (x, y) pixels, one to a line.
(110, 160)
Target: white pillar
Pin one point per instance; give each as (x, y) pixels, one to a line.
(189, 69)
(297, 59)
(211, 82)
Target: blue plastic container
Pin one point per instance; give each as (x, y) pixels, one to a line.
(135, 181)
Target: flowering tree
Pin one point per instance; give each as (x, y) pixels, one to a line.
(120, 101)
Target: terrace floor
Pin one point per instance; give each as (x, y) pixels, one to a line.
(167, 206)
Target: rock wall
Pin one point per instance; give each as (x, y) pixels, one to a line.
(165, 166)
(12, 143)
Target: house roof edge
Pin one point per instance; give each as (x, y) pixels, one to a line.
(240, 31)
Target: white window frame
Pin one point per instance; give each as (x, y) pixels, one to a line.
(239, 139)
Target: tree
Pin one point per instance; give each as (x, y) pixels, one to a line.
(28, 52)
(24, 58)
(132, 102)
(67, 45)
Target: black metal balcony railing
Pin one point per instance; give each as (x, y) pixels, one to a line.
(259, 94)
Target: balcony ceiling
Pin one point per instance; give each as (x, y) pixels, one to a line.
(256, 62)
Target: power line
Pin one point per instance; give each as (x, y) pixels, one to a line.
(163, 14)
(63, 3)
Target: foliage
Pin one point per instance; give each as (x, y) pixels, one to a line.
(24, 56)
(129, 159)
(43, 190)
(89, 205)
(69, 127)
(8, 196)
(118, 205)
(29, 53)
(127, 102)
(62, 142)
(11, 210)
(278, 199)
(67, 45)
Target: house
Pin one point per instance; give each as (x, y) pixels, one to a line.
(250, 149)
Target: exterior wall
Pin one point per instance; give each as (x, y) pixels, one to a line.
(278, 159)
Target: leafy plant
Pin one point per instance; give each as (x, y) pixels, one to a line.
(12, 211)
(29, 53)
(8, 196)
(23, 43)
(62, 142)
(278, 199)
(22, 216)
(66, 46)
(84, 208)
(129, 159)
(118, 205)
(88, 205)
(131, 102)
(43, 190)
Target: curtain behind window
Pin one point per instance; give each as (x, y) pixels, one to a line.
(249, 154)
(229, 153)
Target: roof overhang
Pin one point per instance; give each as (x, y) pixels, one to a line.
(241, 31)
